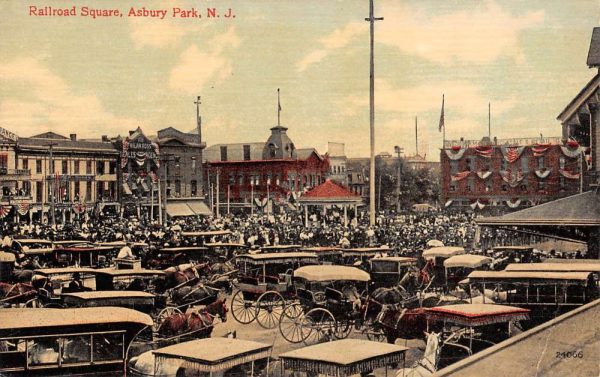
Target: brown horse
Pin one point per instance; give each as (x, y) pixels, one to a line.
(397, 322)
(199, 323)
(186, 273)
(16, 293)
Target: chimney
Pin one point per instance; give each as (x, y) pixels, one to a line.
(131, 133)
(105, 139)
(73, 137)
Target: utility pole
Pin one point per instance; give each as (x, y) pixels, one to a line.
(199, 129)
(490, 120)
(398, 151)
(218, 193)
(416, 138)
(372, 20)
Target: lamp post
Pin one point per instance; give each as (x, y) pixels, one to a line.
(251, 195)
(268, 194)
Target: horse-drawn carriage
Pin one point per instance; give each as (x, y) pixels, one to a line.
(51, 283)
(79, 341)
(328, 305)
(505, 255)
(458, 267)
(173, 256)
(280, 249)
(82, 253)
(264, 285)
(361, 255)
(547, 294)
(326, 254)
(43, 250)
(389, 271)
(200, 238)
(225, 250)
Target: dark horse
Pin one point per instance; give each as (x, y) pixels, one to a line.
(197, 323)
(185, 274)
(199, 293)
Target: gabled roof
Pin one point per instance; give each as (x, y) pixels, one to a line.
(593, 58)
(328, 191)
(576, 210)
(584, 94)
(305, 153)
(49, 135)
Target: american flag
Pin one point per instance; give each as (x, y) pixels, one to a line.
(4, 211)
(512, 154)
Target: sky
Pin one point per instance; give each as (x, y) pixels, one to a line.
(109, 75)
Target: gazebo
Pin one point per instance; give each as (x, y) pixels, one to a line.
(327, 194)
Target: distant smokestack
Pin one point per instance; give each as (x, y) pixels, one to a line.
(105, 139)
(73, 137)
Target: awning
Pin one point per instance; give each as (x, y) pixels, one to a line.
(179, 210)
(188, 208)
(200, 208)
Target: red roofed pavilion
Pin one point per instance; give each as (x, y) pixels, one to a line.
(328, 194)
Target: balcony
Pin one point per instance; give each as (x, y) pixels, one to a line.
(14, 174)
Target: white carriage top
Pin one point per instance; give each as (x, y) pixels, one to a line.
(213, 354)
(272, 258)
(209, 233)
(554, 267)
(527, 275)
(343, 357)
(443, 252)
(467, 260)
(7, 257)
(398, 260)
(107, 295)
(366, 251)
(331, 273)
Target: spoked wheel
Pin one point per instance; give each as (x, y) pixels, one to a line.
(376, 335)
(318, 326)
(242, 309)
(269, 307)
(343, 329)
(164, 314)
(290, 323)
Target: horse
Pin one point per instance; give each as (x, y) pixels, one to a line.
(428, 364)
(16, 293)
(199, 322)
(397, 322)
(185, 273)
(196, 293)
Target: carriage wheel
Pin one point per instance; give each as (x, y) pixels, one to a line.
(241, 309)
(269, 307)
(318, 326)
(376, 335)
(290, 323)
(164, 314)
(343, 329)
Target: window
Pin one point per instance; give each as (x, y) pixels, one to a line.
(453, 167)
(25, 164)
(76, 192)
(76, 349)
(504, 164)
(108, 347)
(241, 179)
(88, 190)
(53, 167)
(112, 167)
(562, 182)
(99, 167)
(231, 179)
(76, 167)
(541, 185)
(562, 162)
(246, 153)
(39, 191)
(65, 167)
(223, 153)
(525, 165)
(194, 164)
(524, 184)
(177, 187)
(194, 187)
(504, 187)
(38, 166)
(3, 161)
(99, 190)
(88, 167)
(453, 187)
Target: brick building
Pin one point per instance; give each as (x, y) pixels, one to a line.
(241, 173)
(509, 174)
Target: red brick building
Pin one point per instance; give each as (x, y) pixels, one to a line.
(252, 172)
(509, 174)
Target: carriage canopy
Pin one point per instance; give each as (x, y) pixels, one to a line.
(528, 276)
(331, 273)
(467, 260)
(343, 357)
(443, 252)
(210, 233)
(212, 354)
(366, 251)
(473, 315)
(274, 258)
(7, 257)
(554, 267)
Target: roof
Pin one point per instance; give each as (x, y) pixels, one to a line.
(279, 257)
(330, 191)
(182, 249)
(593, 58)
(343, 357)
(321, 249)
(563, 260)
(41, 143)
(523, 248)
(208, 233)
(558, 267)
(305, 153)
(527, 354)
(443, 252)
(235, 152)
(467, 260)
(579, 100)
(281, 247)
(331, 273)
(576, 210)
(128, 272)
(367, 250)
(64, 271)
(224, 244)
(31, 240)
(214, 354)
(399, 260)
(95, 295)
(477, 314)
(527, 275)
(31, 318)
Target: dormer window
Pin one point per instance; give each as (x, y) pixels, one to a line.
(272, 150)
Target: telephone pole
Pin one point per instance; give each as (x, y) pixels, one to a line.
(51, 182)
(398, 151)
(199, 129)
(372, 20)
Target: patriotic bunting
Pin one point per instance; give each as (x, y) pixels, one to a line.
(23, 208)
(455, 155)
(477, 204)
(513, 203)
(542, 173)
(484, 174)
(460, 176)
(539, 149)
(79, 208)
(569, 175)
(484, 151)
(512, 178)
(511, 154)
(571, 152)
(4, 211)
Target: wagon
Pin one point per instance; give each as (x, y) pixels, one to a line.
(388, 271)
(547, 294)
(226, 250)
(360, 255)
(204, 357)
(83, 254)
(141, 301)
(280, 248)
(81, 341)
(51, 283)
(264, 286)
(328, 304)
(41, 249)
(459, 267)
(173, 256)
(345, 357)
(326, 254)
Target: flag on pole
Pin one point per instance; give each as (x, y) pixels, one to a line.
(442, 115)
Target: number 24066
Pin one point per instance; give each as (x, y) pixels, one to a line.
(569, 355)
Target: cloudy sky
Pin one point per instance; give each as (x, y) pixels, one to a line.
(107, 76)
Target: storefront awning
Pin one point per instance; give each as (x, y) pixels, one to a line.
(188, 208)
